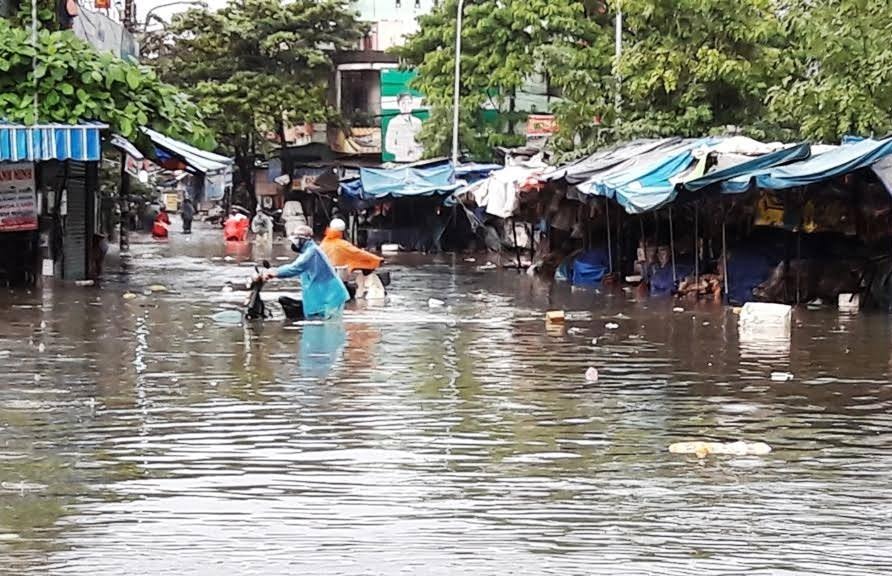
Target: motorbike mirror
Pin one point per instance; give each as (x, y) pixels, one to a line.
(266, 264)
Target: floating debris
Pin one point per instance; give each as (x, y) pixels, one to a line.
(781, 376)
(435, 303)
(591, 375)
(555, 316)
(231, 317)
(157, 288)
(704, 448)
(611, 325)
(129, 296)
(678, 309)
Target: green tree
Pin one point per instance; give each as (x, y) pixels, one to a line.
(840, 61)
(255, 65)
(73, 82)
(690, 66)
(504, 42)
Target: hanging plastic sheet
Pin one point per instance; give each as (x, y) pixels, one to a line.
(380, 183)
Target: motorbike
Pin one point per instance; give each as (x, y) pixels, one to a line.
(255, 307)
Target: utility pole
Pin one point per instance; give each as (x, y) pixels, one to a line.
(455, 95)
(618, 51)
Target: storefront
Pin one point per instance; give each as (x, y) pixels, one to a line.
(49, 183)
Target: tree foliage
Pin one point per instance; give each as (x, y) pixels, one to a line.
(504, 42)
(840, 69)
(776, 68)
(689, 66)
(74, 82)
(255, 64)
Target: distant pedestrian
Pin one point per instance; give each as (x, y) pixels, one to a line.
(235, 229)
(187, 213)
(262, 227)
(161, 225)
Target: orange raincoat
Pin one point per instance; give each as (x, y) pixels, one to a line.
(342, 253)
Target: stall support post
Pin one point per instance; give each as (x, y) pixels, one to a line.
(672, 248)
(609, 236)
(516, 245)
(124, 200)
(645, 268)
(725, 256)
(697, 244)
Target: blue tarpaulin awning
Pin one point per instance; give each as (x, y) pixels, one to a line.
(781, 157)
(645, 182)
(42, 142)
(842, 160)
(380, 183)
(202, 161)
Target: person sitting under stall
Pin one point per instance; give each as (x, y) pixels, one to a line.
(662, 275)
(324, 294)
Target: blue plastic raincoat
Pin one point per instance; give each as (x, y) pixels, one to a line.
(323, 292)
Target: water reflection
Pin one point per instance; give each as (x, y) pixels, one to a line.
(141, 437)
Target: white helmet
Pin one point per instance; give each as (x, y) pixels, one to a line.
(338, 225)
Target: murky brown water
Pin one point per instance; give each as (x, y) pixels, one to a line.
(140, 437)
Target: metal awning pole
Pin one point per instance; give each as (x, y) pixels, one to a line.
(725, 255)
(645, 268)
(697, 244)
(609, 237)
(516, 245)
(672, 248)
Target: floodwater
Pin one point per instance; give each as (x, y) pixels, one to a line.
(139, 436)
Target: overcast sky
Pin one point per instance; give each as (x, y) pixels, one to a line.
(143, 7)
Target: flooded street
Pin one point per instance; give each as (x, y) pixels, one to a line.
(139, 436)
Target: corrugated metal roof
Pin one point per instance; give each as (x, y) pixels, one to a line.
(50, 142)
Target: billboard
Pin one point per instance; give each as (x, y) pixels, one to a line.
(402, 114)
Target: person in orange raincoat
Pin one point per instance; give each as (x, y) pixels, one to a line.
(236, 227)
(161, 224)
(340, 252)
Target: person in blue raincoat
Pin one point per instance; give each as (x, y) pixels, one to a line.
(324, 294)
